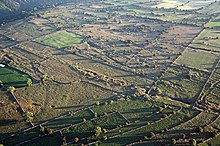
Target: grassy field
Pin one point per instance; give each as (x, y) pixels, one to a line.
(64, 97)
(211, 9)
(215, 23)
(71, 119)
(141, 71)
(208, 39)
(192, 5)
(170, 3)
(87, 129)
(180, 83)
(61, 39)
(197, 59)
(12, 77)
(102, 68)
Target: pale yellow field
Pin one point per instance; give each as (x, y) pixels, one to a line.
(169, 4)
(193, 5)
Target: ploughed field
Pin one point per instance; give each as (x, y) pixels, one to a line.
(141, 72)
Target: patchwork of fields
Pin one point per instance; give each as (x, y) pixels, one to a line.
(141, 72)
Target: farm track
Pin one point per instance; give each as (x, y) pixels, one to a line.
(96, 84)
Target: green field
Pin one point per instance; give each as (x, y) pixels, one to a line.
(214, 23)
(170, 3)
(12, 77)
(180, 83)
(207, 39)
(65, 98)
(61, 39)
(197, 59)
(112, 72)
(211, 9)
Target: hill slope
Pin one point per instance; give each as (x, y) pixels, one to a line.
(15, 9)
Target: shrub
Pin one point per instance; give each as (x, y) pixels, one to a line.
(76, 139)
(151, 134)
(95, 115)
(199, 130)
(97, 103)
(11, 89)
(44, 78)
(183, 136)
(29, 116)
(98, 131)
(29, 82)
(105, 137)
(41, 129)
(160, 109)
(165, 116)
(104, 130)
(1, 84)
(63, 138)
(111, 102)
(192, 142)
(48, 131)
(173, 141)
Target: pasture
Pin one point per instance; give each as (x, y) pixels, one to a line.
(61, 39)
(13, 77)
(141, 72)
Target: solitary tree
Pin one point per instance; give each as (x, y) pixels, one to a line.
(76, 139)
(1, 84)
(48, 131)
(44, 78)
(98, 131)
(29, 116)
(41, 129)
(11, 89)
(151, 134)
(173, 141)
(193, 142)
(97, 103)
(199, 129)
(29, 82)
(63, 138)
